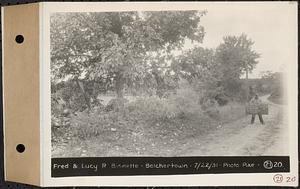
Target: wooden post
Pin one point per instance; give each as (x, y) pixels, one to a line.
(247, 85)
(85, 96)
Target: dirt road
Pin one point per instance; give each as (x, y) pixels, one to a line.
(242, 138)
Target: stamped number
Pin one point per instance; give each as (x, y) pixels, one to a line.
(291, 179)
(278, 178)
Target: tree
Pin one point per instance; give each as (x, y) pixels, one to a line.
(194, 63)
(235, 57)
(216, 74)
(117, 46)
(200, 68)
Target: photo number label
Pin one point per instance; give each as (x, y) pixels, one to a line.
(279, 178)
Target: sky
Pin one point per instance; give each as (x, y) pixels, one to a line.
(273, 28)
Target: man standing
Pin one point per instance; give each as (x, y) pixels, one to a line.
(256, 102)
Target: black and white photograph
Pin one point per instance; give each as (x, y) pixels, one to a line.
(209, 82)
(150, 94)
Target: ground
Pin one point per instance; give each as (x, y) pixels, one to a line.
(189, 138)
(241, 138)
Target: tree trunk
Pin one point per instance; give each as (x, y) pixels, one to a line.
(95, 91)
(160, 84)
(119, 85)
(85, 95)
(247, 86)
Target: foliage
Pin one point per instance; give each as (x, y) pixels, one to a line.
(236, 57)
(117, 47)
(200, 68)
(69, 96)
(187, 100)
(216, 73)
(181, 104)
(132, 52)
(194, 63)
(116, 104)
(143, 111)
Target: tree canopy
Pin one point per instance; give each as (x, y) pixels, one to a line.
(218, 71)
(117, 48)
(236, 57)
(102, 51)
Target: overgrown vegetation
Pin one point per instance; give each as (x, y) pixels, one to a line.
(172, 98)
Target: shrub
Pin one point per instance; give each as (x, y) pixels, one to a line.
(143, 111)
(149, 108)
(179, 105)
(210, 107)
(186, 101)
(222, 99)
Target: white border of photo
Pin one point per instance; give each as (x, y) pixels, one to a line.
(244, 179)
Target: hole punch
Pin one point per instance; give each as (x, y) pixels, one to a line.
(19, 39)
(20, 148)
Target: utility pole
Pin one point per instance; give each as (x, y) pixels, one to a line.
(247, 84)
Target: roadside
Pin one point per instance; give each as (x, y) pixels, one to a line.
(242, 138)
(189, 137)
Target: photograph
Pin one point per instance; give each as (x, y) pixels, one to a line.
(150, 94)
(175, 83)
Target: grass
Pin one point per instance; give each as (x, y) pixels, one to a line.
(231, 112)
(152, 138)
(277, 100)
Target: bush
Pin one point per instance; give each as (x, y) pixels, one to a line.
(179, 105)
(141, 112)
(222, 99)
(150, 108)
(186, 101)
(210, 107)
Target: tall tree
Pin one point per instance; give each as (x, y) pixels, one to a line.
(217, 72)
(236, 57)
